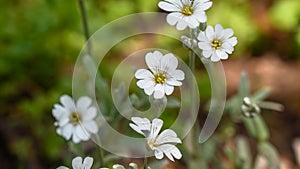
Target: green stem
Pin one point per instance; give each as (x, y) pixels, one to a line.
(101, 151)
(194, 131)
(192, 56)
(85, 25)
(145, 162)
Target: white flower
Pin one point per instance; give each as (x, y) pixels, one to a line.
(77, 163)
(216, 43)
(185, 13)
(162, 143)
(163, 76)
(75, 120)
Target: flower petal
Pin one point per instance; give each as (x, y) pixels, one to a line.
(91, 126)
(83, 103)
(214, 57)
(227, 47)
(221, 54)
(200, 16)
(173, 82)
(81, 133)
(168, 89)
(68, 102)
(66, 131)
(141, 125)
(58, 111)
(177, 74)
(170, 151)
(209, 32)
(159, 91)
(77, 163)
(227, 33)
(167, 136)
(219, 30)
(181, 24)
(89, 114)
(204, 46)
(143, 74)
(75, 138)
(153, 61)
(173, 18)
(204, 5)
(207, 53)
(149, 91)
(155, 128)
(158, 153)
(145, 83)
(168, 6)
(202, 37)
(88, 162)
(62, 167)
(232, 41)
(168, 63)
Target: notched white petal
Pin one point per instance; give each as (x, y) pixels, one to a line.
(88, 162)
(143, 74)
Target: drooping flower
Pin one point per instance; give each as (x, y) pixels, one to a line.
(216, 43)
(78, 164)
(162, 143)
(163, 76)
(75, 120)
(185, 13)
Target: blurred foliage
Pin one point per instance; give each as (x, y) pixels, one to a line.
(41, 39)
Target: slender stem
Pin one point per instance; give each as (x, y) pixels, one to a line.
(192, 59)
(192, 56)
(100, 152)
(85, 25)
(145, 162)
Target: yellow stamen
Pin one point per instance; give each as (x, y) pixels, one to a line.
(75, 118)
(160, 78)
(216, 44)
(187, 10)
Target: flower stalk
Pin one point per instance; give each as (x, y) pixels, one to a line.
(85, 25)
(145, 162)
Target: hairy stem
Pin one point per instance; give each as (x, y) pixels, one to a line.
(85, 25)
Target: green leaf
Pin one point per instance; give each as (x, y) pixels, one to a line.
(260, 95)
(231, 155)
(269, 152)
(244, 89)
(257, 128)
(243, 152)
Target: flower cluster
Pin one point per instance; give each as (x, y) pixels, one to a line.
(216, 43)
(76, 120)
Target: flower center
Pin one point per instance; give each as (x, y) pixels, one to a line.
(75, 118)
(216, 44)
(152, 144)
(160, 78)
(187, 10)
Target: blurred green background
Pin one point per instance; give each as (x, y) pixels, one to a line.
(41, 39)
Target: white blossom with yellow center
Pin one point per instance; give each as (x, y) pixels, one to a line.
(185, 13)
(163, 143)
(216, 43)
(163, 76)
(77, 163)
(75, 120)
